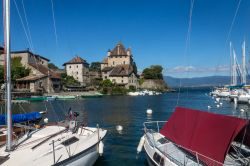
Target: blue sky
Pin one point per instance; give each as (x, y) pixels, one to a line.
(155, 30)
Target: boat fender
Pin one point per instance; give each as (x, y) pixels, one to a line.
(141, 143)
(100, 148)
(46, 120)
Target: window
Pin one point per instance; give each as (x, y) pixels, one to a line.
(122, 81)
(77, 72)
(157, 158)
(113, 62)
(105, 77)
(40, 84)
(70, 67)
(124, 62)
(77, 78)
(70, 141)
(76, 66)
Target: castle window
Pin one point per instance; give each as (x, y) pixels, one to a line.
(113, 62)
(70, 67)
(124, 62)
(77, 72)
(122, 81)
(76, 66)
(105, 77)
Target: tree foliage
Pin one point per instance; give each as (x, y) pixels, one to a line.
(153, 72)
(52, 66)
(95, 66)
(17, 70)
(69, 80)
(106, 83)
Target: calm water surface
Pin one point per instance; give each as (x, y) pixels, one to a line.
(130, 112)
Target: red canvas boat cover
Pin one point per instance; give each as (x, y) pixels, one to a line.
(207, 133)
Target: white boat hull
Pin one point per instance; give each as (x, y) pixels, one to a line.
(86, 158)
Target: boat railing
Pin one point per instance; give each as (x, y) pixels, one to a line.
(154, 125)
(152, 129)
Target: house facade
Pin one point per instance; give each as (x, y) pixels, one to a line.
(79, 69)
(27, 58)
(120, 67)
(41, 78)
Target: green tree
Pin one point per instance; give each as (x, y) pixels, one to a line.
(17, 69)
(106, 83)
(153, 72)
(52, 66)
(1, 75)
(69, 80)
(95, 66)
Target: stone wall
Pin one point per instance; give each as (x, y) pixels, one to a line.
(153, 84)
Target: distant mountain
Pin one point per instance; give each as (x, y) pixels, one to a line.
(197, 81)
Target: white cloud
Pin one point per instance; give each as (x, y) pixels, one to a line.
(192, 69)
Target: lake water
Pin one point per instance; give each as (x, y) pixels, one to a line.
(130, 112)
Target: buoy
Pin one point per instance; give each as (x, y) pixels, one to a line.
(218, 105)
(119, 128)
(140, 145)
(46, 120)
(149, 111)
(242, 110)
(221, 103)
(100, 148)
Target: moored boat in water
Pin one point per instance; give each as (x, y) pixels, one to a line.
(192, 137)
(67, 143)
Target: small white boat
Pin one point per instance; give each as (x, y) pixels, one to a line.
(133, 93)
(190, 138)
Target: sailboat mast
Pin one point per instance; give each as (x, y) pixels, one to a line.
(231, 65)
(243, 63)
(234, 69)
(8, 73)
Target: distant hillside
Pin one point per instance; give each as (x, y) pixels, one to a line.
(197, 81)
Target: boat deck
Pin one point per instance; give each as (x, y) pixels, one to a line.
(180, 156)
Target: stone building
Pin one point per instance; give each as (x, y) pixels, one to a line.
(41, 78)
(120, 67)
(79, 69)
(27, 58)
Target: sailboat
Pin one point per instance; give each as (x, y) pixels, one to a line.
(63, 143)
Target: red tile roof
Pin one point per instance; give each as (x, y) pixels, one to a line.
(119, 50)
(76, 60)
(31, 78)
(46, 71)
(122, 70)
